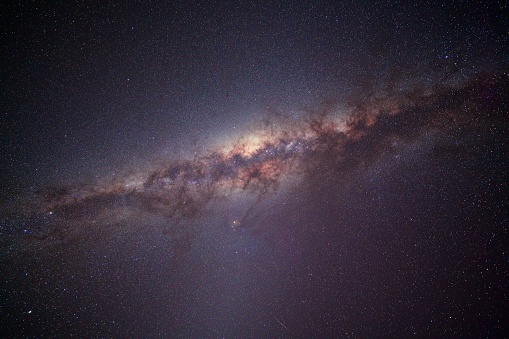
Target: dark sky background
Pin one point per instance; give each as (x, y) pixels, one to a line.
(254, 169)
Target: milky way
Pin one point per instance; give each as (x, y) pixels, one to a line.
(299, 151)
(254, 169)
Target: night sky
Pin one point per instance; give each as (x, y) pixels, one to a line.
(254, 169)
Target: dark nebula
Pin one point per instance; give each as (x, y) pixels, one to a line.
(244, 170)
